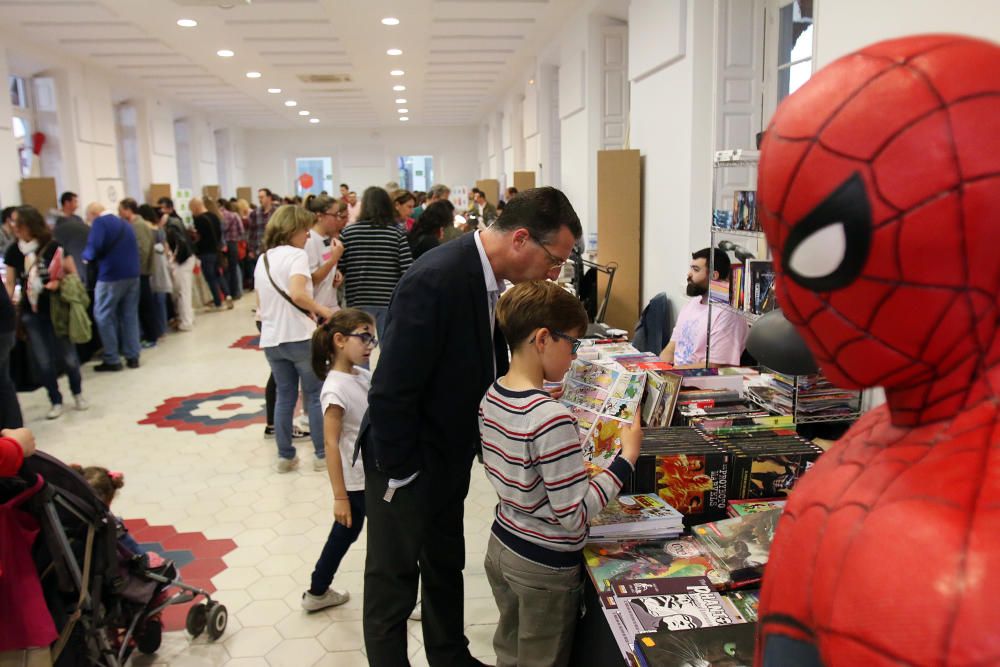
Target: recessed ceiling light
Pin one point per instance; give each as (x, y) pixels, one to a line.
(390, 20)
(397, 72)
(400, 100)
(399, 89)
(314, 120)
(531, 82)
(291, 103)
(402, 111)
(403, 118)
(303, 113)
(274, 91)
(393, 52)
(187, 23)
(253, 75)
(224, 53)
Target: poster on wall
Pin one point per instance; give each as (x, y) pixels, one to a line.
(110, 191)
(182, 204)
(460, 197)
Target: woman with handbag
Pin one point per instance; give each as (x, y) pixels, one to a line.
(37, 263)
(288, 315)
(209, 247)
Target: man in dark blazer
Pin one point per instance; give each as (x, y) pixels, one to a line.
(441, 349)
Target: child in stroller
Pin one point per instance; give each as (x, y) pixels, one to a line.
(105, 598)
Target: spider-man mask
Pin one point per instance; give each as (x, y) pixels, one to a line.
(879, 193)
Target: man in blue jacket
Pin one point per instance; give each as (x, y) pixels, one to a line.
(441, 350)
(113, 246)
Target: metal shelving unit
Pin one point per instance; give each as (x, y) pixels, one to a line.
(721, 161)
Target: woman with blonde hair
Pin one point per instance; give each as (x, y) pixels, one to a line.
(288, 314)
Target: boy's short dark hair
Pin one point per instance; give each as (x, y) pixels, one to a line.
(66, 198)
(535, 304)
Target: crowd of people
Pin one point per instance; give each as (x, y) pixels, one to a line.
(327, 289)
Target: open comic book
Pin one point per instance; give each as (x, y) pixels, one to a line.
(603, 397)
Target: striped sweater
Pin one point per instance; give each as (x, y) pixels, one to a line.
(534, 459)
(375, 258)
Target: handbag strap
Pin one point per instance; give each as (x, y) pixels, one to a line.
(267, 270)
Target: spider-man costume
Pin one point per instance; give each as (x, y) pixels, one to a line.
(879, 193)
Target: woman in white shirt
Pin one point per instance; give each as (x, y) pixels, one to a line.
(323, 247)
(288, 315)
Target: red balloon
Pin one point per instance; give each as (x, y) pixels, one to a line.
(306, 181)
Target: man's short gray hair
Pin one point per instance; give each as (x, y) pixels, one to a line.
(439, 191)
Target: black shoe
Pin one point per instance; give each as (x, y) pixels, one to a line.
(132, 363)
(105, 367)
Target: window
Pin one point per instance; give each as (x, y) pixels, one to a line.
(18, 92)
(795, 46)
(313, 175)
(416, 172)
(22, 140)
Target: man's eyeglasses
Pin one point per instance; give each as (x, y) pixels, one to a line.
(574, 342)
(365, 338)
(556, 262)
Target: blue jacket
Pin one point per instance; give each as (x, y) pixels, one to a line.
(113, 246)
(655, 325)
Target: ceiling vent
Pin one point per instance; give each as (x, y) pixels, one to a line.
(325, 78)
(221, 4)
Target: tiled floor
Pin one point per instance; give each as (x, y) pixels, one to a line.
(223, 485)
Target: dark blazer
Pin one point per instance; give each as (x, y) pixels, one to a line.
(435, 366)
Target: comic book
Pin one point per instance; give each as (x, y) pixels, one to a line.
(639, 515)
(679, 603)
(746, 602)
(662, 389)
(623, 635)
(744, 507)
(718, 646)
(603, 397)
(692, 480)
(649, 559)
(741, 544)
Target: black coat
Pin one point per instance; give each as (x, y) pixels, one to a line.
(436, 363)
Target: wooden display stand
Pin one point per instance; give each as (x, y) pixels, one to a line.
(491, 187)
(40, 193)
(213, 191)
(619, 225)
(524, 180)
(158, 190)
(245, 193)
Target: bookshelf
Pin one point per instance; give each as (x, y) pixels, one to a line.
(795, 396)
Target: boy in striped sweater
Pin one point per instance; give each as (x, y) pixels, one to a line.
(534, 459)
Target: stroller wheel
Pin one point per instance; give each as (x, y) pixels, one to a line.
(149, 640)
(218, 618)
(197, 619)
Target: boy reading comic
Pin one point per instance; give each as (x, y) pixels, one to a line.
(534, 459)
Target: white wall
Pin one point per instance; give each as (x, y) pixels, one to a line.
(85, 152)
(839, 30)
(360, 157)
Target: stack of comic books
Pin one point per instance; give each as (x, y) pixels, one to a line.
(714, 646)
(635, 516)
(604, 398)
(741, 544)
(687, 470)
(607, 562)
(670, 604)
(765, 463)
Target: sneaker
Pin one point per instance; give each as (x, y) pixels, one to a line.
(331, 598)
(268, 431)
(132, 363)
(319, 464)
(55, 412)
(146, 344)
(81, 402)
(229, 303)
(298, 434)
(288, 465)
(415, 614)
(105, 367)
(302, 422)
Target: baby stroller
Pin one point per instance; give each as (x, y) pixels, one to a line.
(104, 600)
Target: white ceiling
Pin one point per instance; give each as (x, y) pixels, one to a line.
(458, 55)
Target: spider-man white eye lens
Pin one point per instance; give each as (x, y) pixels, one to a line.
(828, 248)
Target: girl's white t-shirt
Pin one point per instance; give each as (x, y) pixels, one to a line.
(350, 392)
(318, 253)
(280, 321)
